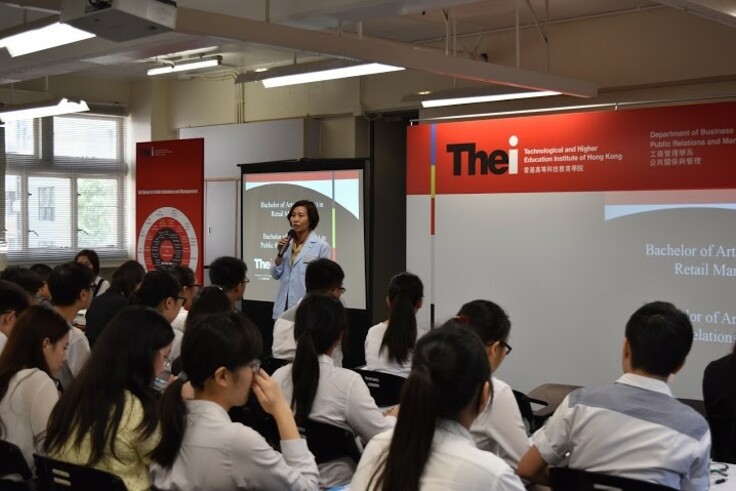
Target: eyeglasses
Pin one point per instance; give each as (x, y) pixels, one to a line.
(92, 286)
(507, 346)
(183, 299)
(342, 290)
(255, 365)
(246, 280)
(194, 285)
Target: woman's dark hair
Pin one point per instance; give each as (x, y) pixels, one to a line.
(23, 277)
(127, 277)
(42, 270)
(405, 291)
(449, 369)
(122, 361)
(312, 212)
(486, 319)
(211, 300)
(184, 275)
(319, 322)
(156, 287)
(93, 258)
(24, 348)
(227, 340)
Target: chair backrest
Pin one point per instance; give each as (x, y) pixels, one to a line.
(54, 475)
(328, 442)
(525, 408)
(566, 479)
(550, 396)
(384, 387)
(270, 364)
(12, 462)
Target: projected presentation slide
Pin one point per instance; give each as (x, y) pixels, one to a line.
(338, 194)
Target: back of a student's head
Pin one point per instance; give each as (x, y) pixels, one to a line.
(67, 282)
(323, 275)
(486, 319)
(319, 324)
(227, 272)
(183, 274)
(127, 277)
(13, 300)
(660, 337)
(29, 281)
(404, 298)
(449, 374)
(42, 270)
(211, 300)
(156, 287)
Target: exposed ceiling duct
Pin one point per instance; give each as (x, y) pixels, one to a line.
(721, 11)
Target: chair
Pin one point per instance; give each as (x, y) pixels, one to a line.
(527, 414)
(54, 475)
(328, 442)
(270, 364)
(550, 396)
(696, 404)
(12, 462)
(384, 387)
(566, 479)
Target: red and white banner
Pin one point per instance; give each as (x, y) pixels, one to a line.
(170, 204)
(684, 147)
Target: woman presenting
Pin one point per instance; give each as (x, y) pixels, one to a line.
(290, 264)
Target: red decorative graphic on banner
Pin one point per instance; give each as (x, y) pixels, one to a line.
(170, 204)
(685, 147)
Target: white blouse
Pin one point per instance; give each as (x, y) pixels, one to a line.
(377, 359)
(217, 454)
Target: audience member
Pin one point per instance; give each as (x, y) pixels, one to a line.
(125, 280)
(31, 282)
(289, 265)
(108, 417)
(499, 428)
(719, 395)
(89, 258)
(13, 301)
(229, 273)
(189, 290)
(322, 392)
(633, 428)
(431, 447)
(160, 291)
(35, 352)
(71, 286)
(220, 357)
(44, 271)
(324, 277)
(389, 344)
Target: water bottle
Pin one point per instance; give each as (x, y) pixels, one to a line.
(162, 380)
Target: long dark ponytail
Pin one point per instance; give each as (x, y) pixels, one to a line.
(319, 322)
(405, 292)
(449, 369)
(227, 340)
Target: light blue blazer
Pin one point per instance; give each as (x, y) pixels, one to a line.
(291, 278)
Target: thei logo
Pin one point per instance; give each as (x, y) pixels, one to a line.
(496, 161)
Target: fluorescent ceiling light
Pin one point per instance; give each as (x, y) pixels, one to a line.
(474, 95)
(318, 71)
(183, 67)
(53, 107)
(42, 38)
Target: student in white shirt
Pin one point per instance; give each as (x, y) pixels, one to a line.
(632, 428)
(189, 290)
(90, 259)
(324, 276)
(499, 428)
(13, 301)
(201, 448)
(388, 345)
(35, 351)
(229, 273)
(71, 286)
(431, 448)
(320, 391)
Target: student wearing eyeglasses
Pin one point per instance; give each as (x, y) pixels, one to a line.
(201, 448)
(499, 427)
(189, 290)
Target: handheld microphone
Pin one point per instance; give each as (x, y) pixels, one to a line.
(290, 235)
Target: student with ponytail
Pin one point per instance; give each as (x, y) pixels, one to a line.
(320, 391)
(499, 428)
(388, 344)
(201, 448)
(431, 448)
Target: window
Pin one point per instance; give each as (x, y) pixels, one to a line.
(65, 187)
(46, 204)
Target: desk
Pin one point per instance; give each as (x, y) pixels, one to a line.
(730, 478)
